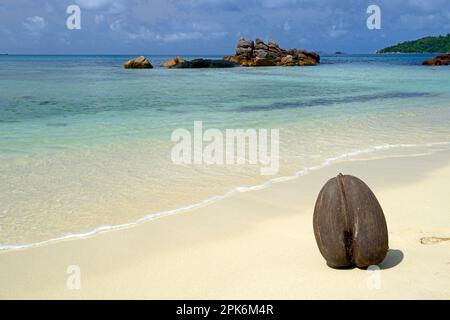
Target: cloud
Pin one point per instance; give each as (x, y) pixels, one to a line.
(117, 25)
(109, 7)
(99, 18)
(195, 35)
(94, 4)
(214, 26)
(287, 26)
(146, 34)
(274, 4)
(180, 36)
(337, 31)
(35, 25)
(225, 5)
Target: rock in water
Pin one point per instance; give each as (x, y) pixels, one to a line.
(259, 54)
(245, 48)
(204, 63)
(138, 63)
(288, 60)
(441, 60)
(173, 62)
(349, 224)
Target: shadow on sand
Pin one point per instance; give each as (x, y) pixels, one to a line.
(394, 258)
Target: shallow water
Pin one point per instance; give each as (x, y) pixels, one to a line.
(85, 143)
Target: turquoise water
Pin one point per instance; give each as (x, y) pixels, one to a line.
(85, 143)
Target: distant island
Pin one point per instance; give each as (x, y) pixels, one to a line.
(440, 44)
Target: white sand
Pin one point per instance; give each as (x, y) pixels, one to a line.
(256, 245)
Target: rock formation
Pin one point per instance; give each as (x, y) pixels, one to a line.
(441, 60)
(200, 63)
(173, 62)
(257, 54)
(138, 63)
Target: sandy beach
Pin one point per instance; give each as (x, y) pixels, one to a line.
(256, 245)
(225, 150)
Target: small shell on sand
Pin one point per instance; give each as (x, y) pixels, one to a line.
(433, 240)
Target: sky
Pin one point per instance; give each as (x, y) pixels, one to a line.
(213, 26)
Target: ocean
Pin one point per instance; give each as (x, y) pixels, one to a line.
(86, 145)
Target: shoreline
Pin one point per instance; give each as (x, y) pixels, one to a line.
(257, 245)
(236, 190)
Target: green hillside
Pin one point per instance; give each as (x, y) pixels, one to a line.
(439, 44)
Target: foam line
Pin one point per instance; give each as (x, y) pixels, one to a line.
(241, 189)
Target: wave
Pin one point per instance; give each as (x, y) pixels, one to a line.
(346, 156)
